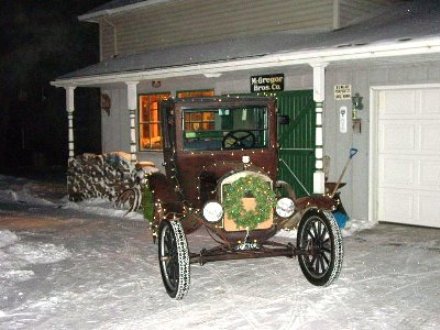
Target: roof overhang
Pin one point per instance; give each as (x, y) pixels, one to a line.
(393, 49)
(93, 16)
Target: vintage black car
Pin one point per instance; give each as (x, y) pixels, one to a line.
(220, 158)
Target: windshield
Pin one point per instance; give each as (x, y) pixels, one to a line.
(225, 128)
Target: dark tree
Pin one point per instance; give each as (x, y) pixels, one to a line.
(42, 40)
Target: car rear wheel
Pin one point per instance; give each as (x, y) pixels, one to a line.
(320, 246)
(174, 259)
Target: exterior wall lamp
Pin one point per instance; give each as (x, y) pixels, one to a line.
(356, 106)
(156, 83)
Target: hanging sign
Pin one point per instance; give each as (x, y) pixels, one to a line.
(267, 83)
(343, 92)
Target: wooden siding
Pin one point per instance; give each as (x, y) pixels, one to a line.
(197, 21)
(352, 11)
(108, 44)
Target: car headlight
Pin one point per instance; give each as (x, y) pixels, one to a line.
(285, 207)
(212, 211)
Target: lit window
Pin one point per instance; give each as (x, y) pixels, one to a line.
(150, 136)
(199, 121)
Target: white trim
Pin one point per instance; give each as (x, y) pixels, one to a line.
(318, 97)
(132, 99)
(373, 140)
(387, 49)
(70, 98)
(319, 81)
(372, 163)
(92, 16)
(70, 108)
(132, 94)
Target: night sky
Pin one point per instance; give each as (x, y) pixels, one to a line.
(41, 40)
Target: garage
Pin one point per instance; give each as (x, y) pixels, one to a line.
(406, 150)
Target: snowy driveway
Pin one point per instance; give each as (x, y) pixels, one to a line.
(62, 268)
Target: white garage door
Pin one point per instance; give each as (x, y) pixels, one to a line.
(409, 156)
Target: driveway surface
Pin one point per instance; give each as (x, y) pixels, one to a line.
(66, 269)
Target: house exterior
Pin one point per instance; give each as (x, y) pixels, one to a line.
(314, 56)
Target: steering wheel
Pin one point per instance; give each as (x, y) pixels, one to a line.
(238, 139)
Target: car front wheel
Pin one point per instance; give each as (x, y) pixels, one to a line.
(320, 247)
(174, 259)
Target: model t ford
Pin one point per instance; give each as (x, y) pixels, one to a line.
(221, 173)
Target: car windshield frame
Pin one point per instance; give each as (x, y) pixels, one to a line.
(225, 128)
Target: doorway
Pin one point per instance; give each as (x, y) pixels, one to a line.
(297, 140)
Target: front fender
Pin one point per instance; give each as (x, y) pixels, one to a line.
(164, 193)
(162, 188)
(313, 201)
(168, 204)
(283, 185)
(316, 202)
(304, 205)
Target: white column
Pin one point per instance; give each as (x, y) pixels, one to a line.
(318, 97)
(70, 108)
(132, 106)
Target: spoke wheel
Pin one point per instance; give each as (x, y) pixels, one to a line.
(319, 241)
(174, 259)
(130, 199)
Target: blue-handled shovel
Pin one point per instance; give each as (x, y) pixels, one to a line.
(353, 151)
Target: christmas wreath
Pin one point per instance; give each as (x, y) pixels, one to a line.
(249, 186)
(147, 204)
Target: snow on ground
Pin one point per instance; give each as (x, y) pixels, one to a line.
(84, 266)
(102, 207)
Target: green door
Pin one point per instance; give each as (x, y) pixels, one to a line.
(297, 140)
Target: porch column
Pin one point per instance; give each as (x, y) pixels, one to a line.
(318, 97)
(132, 106)
(70, 108)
